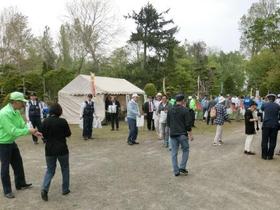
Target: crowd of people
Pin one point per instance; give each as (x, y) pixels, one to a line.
(172, 119)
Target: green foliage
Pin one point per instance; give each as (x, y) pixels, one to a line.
(150, 89)
(56, 80)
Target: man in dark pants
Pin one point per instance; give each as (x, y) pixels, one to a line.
(87, 111)
(13, 126)
(179, 122)
(270, 127)
(34, 114)
(148, 109)
(114, 108)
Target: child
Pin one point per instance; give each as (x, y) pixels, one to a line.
(250, 127)
(55, 130)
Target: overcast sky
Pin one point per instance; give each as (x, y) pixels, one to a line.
(212, 21)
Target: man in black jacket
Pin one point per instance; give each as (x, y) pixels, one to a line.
(179, 122)
(87, 111)
(114, 108)
(148, 109)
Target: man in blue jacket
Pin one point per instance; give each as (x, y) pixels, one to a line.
(270, 127)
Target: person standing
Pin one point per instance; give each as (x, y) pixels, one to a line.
(221, 117)
(87, 111)
(270, 127)
(148, 109)
(192, 107)
(13, 126)
(34, 113)
(250, 131)
(156, 103)
(55, 130)
(162, 111)
(132, 114)
(179, 122)
(211, 104)
(114, 107)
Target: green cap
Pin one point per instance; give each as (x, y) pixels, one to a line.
(17, 96)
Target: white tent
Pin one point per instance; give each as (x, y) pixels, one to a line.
(74, 93)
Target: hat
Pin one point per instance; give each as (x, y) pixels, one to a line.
(159, 94)
(190, 97)
(253, 103)
(17, 96)
(33, 94)
(278, 96)
(271, 96)
(179, 97)
(134, 95)
(221, 99)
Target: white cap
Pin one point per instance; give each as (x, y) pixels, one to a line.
(135, 95)
(221, 99)
(159, 94)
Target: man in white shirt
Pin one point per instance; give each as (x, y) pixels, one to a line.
(156, 115)
(34, 114)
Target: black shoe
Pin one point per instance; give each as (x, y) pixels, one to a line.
(183, 171)
(10, 195)
(90, 138)
(66, 192)
(85, 138)
(135, 142)
(112, 129)
(270, 158)
(245, 152)
(263, 157)
(250, 153)
(24, 187)
(130, 143)
(177, 174)
(35, 142)
(44, 195)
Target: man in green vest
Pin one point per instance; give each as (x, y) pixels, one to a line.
(13, 126)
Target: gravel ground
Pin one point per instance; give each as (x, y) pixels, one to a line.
(106, 173)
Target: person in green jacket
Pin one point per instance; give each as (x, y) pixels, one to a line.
(12, 126)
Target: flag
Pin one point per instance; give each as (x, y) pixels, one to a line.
(93, 85)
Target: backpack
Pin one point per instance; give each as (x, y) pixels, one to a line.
(213, 112)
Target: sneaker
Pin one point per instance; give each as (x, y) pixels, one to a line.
(66, 192)
(130, 143)
(215, 144)
(24, 187)
(10, 195)
(44, 195)
(250, 153)
(135, 142)
(183, 171)
(221, 142)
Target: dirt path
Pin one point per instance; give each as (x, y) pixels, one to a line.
(106, 173)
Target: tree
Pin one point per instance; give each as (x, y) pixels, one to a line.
(150, 30)
(47, 51)
(64, 47)
(15, 37)
(150, 89)
(93, 27)
(261, 9)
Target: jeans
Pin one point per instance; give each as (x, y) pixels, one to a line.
(87, 124)
(269, 141)
(165, 133)
(51, 166)
(9, 154)
(175, 142)
(133, 130)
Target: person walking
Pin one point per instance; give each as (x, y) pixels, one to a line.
(270, 127)
(250, 131)
(13, 126)
(55, 130)
(132, 114)
(148, 109)
(221, 117)
(162, 111)
(34, 113)
(114, 107)
(179, 122)
(87, 112)
(156, 103)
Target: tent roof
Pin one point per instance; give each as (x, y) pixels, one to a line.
(81, 85)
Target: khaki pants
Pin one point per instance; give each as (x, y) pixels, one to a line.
(219, 133)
